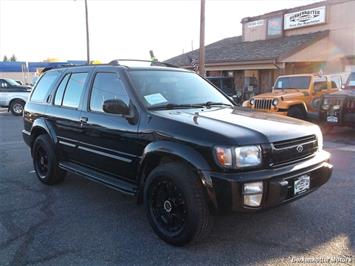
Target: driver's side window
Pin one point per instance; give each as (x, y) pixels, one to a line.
(318, 86)
(107, 86)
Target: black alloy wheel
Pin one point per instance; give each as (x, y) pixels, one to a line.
(167, 206)
(175, 204)
(45, 161)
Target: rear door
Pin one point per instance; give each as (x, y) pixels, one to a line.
(64, 115)
(109, 141)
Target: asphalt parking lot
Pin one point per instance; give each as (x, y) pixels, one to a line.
(82, 223)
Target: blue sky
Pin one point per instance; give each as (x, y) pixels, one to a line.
(38, 29)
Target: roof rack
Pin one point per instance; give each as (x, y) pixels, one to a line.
(116, 62)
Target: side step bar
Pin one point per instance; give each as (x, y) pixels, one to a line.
(109, 181)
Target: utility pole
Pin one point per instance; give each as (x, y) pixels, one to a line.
(202, 40)
(87, 33)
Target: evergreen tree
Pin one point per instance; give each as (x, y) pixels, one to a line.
(13, 58)
(5, 59)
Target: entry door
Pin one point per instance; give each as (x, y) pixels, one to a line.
(108, 143)
(266, 81)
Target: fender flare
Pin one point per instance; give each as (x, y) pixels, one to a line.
(294, 103)
(41, 125)
(185, 154)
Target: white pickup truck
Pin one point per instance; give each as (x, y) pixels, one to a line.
(13, 96)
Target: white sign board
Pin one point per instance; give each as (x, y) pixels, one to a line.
(256, 23)
(304, 18)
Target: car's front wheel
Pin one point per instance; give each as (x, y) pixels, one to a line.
(175, 204)
(45, 162)
(16, 107)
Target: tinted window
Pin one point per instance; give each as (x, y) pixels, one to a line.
(322, 85)
(44, 85)
(3, 84)
(292, 83)
(107, 86)
(74, 90)
(157, 87)
(351, 81)
(60, 91)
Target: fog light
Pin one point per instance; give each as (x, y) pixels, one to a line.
(252, 200)
(253, 193)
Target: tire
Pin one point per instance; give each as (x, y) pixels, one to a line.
(16, 107)
(175, 204)
(45, 162)
(297, 112)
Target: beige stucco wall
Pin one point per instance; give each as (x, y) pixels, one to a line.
(340, 21)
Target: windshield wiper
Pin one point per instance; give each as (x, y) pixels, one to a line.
(210, 103)
(174, 106)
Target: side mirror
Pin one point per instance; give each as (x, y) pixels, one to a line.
(115, 107)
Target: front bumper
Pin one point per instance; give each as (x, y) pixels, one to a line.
(278, 183)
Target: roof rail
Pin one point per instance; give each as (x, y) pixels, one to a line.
(116, 62)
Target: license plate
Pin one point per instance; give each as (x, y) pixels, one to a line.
(301, 184)
(332, 119)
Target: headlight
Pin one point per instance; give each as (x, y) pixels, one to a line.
(275, 102)
(252, 101)
(336, 107)
(248, 156)
(239, 157)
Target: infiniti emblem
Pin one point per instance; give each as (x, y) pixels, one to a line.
(299, 148)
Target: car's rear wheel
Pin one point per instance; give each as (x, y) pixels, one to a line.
(45, 162)
(175, 204)
(16, 107)
(297, 112)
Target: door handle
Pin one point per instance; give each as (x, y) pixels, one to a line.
(83, 120)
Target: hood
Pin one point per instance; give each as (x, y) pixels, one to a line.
(346, 92)
(241, 124)
(285, 94)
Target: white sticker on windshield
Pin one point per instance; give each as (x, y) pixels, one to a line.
(279, 84)
(155, 98)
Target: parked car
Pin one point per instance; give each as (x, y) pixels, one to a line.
(13, 96)
(294, 95)
(172, 140)
(338, 109)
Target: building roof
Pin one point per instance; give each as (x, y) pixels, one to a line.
(233, 49)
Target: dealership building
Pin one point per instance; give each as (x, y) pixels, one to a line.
(319, 37)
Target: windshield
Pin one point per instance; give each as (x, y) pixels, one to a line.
(292, 83)
(161, 87)
(12, 82)
(351, 82)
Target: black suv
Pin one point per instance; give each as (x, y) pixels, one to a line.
(172, 140)
(338, 109)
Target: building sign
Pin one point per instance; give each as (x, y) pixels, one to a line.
(256, 23)
(274, 27)
(304, 18)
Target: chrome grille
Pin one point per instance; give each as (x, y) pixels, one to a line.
(263, 104)
(288, 151)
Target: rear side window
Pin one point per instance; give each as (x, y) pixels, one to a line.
(107, 86)
(74, 90)
(44, 85)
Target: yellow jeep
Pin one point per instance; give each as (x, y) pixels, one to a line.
(294, 95)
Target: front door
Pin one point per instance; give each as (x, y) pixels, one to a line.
(108, 143)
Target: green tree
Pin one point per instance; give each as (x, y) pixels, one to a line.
(13, 58)
(5, 58)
